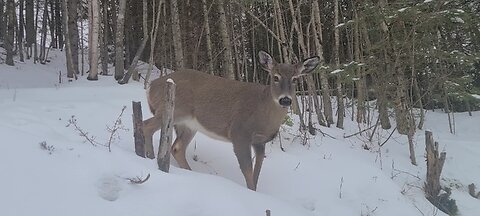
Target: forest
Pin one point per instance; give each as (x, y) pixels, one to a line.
(405, 54)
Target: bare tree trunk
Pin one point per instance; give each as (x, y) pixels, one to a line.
(418, 97)
(73, 31)
(411, 145)
(35, 45)
(82, 47)
(382, 104)
(166, 134)
(29, 26)
(153, 34)
(177, 37)
(104, 39)
(361, 88)
(58, 23)
(134, 73)
(304, 53)
(93, 29)
(381, 78)
(51, 25)
(434, 167)
(228, 69)
(138, 129)
(448, 110)
(336, 51)
(71, 72)
(327, 103)
(119, 38)
(43, 37)
(21, 31)
(9, 37)
(2, 20)
(206, 26)
(283, 39)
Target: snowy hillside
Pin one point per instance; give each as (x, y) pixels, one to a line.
(330, 175)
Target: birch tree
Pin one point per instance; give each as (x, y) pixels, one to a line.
(93, 29)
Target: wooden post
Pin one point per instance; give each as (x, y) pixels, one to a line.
(138, 129)
(434, 166)
(163, 158)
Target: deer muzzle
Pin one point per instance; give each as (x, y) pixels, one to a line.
(285, 101)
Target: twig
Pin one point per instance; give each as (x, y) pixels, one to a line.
(389, 136)
(297, 166)
(341, 185)
(73, 121)
(116, 126)
(325, 134)
(138, 180)
(280, 140)
(359, 132)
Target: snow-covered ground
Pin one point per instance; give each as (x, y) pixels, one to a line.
(326, 176)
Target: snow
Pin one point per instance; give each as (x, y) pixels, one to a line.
(426, 1)
(326, 176)
(170, 81)
(336, 71)
(340, 25)
(458, 20)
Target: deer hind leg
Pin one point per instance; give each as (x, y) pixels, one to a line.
(179, 147)
(150, 126)
(259, 156)
(244, 157)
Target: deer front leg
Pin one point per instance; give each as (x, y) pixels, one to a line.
(244, 156)
(259, 156)
(150, 126)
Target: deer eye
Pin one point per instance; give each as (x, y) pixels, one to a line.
(276, 78)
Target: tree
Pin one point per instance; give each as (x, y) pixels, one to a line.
(72, 68)
(336, 57)
(29, 26)
(317, 30)
(208, 40)
(21, 31)
(2, 20)
(119, 38)
(228, 69)
(10, 31)
(176, 34)
(93, 28)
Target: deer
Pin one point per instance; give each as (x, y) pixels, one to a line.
(248, 115)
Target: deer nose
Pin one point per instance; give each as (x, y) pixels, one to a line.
(285, 101)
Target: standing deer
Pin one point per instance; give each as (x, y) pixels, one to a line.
(245, 114)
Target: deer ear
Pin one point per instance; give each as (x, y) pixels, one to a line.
(308, 65)
(266, 61)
